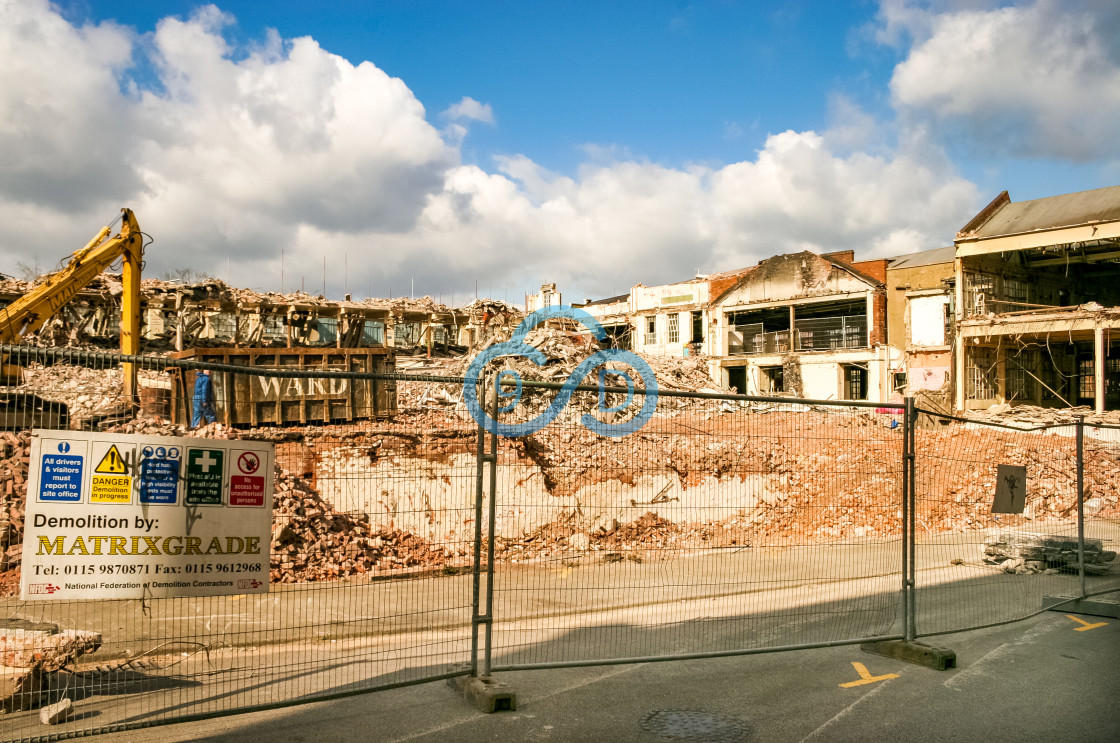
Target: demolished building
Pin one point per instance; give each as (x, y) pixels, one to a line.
(1037, 289)
(805, 325)
(178, 316)
(920, 323)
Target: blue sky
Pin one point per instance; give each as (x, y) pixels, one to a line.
(595, 144)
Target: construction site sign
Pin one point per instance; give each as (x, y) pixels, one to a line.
(111, 481)
(118, 516)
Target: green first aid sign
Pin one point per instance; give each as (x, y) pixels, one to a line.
(205, 473)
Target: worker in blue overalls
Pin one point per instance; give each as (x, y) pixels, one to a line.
(203, 399)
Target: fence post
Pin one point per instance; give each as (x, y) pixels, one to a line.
(1081, 503)
(908, 648)
(910, 520)
(492, 459)
(476, 566)
(480, 689)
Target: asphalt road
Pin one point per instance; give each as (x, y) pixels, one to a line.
(1049, 678)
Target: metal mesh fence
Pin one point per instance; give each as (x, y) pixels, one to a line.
(726, 524)
(977, 568)
(721, 526)
(370, 560)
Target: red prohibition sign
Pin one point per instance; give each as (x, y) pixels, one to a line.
(248, 462)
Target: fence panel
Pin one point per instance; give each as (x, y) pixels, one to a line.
(721, 526)
(726, 524)
(371, 573)
(977, 568)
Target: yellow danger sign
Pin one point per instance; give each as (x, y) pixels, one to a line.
(110, 489)
(112, 463)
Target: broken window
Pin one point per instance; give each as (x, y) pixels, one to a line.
(1111, 381)
(406, 334)
(737, 379)
(979, 289)
(221, 326)
(373, 333)
(697, 327)
(740, 338)
(273, 330)
(825, 333)
(1015, 292)
(1021, 375)
(674, 328)
(981, 374)
(651, 330)
(326, 331)
(1087, 384)
(772, 379)
(762, 331)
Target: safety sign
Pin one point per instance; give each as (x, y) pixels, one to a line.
(246, 488)
(119, 516)
(159, 475)
(112, 475)
(60, 478)
(204, 477)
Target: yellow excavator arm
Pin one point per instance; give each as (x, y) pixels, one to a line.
(28, 313)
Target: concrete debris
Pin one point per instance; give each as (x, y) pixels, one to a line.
(311, 541)
(1027, 552)
(1030, 416)
(91, 395)
(29, 653)
(45, 652)
(55, 713)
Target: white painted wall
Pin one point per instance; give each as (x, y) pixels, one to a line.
(927, 320)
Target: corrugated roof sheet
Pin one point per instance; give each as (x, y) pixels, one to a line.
(923, 258)
(1101, 205)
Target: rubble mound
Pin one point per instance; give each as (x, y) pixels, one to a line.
(311, 541)
(89, 394)
(564, 350)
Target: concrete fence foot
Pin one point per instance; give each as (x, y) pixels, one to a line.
(485, 692)
(913, 652)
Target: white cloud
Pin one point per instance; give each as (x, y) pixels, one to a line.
(64, 125)
(469, 108)
(238, 154)
(1038, 79)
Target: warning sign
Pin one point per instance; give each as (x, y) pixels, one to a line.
(246, 488)
(119, 516)
(205, 468)
(1011, 489)
(112, 463)
(111, 480)
(110, 489)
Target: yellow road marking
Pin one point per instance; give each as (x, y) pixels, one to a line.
(1085, 626)
(865, 676)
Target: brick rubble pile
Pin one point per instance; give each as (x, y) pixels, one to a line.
(312, 541)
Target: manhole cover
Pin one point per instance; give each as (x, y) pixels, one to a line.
(694, 725)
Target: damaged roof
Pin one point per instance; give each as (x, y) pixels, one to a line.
(1004, 217)
(923, 258)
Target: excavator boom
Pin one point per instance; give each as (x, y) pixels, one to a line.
(28, 313)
